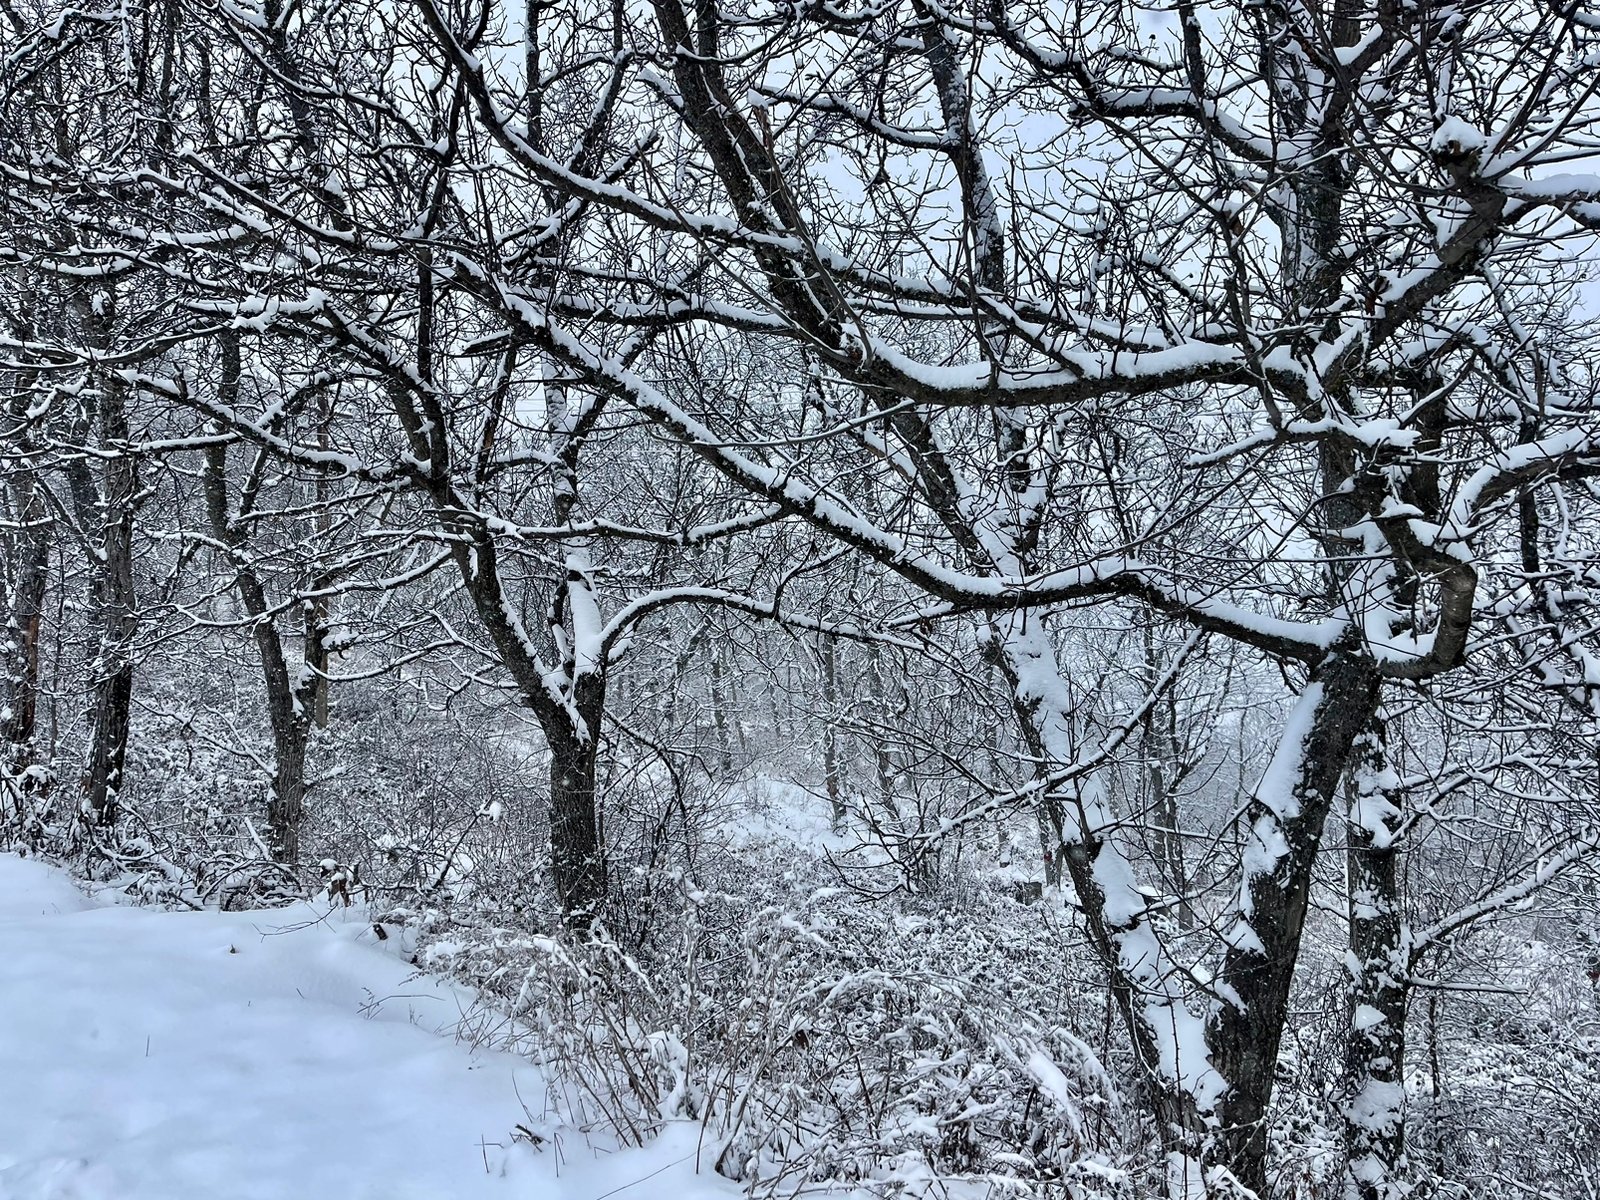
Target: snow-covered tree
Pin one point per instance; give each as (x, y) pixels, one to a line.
(1206, 380)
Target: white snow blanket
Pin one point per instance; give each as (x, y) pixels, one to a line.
(270, 1055)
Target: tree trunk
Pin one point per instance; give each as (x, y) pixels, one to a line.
(286, 807)
(111, 669)
(109, 717)
(832, 768)
(1285, 820)
(1374, 1125)
(288, 712)
(1163, 778)
(290, 703)
(719, 711)
(576, 860)
(319, 609)
(1077, 829)
(882, 756)
(27, 562)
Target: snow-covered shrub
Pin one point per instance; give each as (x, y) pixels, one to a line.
(1505, 1081)
(885, 1044)
(820, 1034)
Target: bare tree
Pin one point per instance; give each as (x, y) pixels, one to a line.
(1313, 214)
(1073, 326)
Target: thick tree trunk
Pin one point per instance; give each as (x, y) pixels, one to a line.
(571, 725)
(1285, 821)
(288, 713)
(317, 628)
(1374, 1104)
(286, 807)
(110, 716)
(576, 859)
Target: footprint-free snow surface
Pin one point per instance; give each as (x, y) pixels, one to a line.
(151, 1055)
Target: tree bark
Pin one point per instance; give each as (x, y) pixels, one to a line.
(1374, 1108)
(577, 859)
(319, 609)
(288, 706)
(290, 703)
(1284, 823)
(719, 710)
(1077, 828)
(1163, 778)
(569, 699)
(832, 767)
(287, 806)
(115, 611)
(26, 563)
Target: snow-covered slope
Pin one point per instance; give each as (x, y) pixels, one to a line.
(149, 1055)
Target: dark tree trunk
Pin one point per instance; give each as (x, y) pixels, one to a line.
(1374, 1125)
(286, 808)
(290, 718)
(116, 615)
(1284, 832)
(290, 703)
(24, 578)
(319, 609)
(112, 705)
(571, 730)
(576, 858)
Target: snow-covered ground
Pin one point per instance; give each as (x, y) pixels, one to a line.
(149, 1055)
(769, 811)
